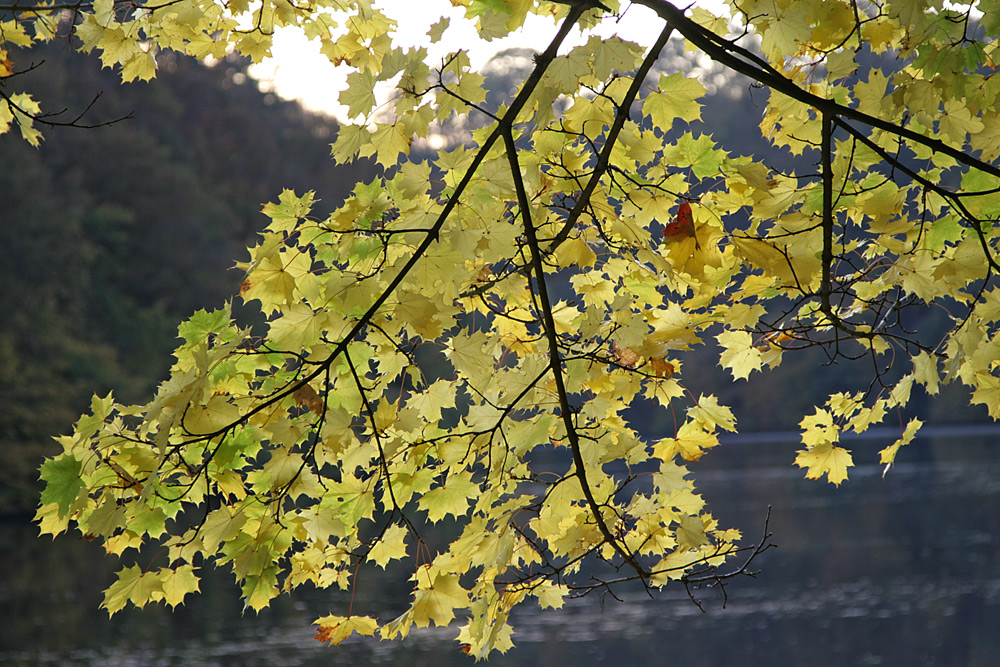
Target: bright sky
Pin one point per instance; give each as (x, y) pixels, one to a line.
(299, 71)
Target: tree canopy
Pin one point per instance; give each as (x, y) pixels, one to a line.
(460, 317)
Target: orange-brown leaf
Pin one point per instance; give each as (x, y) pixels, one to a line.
(626, 357)
(6, 66)
(661, 367)
(307, 396)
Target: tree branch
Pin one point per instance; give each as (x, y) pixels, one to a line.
(827, 257)
(555, 360)
(604, 159)
(753, 67)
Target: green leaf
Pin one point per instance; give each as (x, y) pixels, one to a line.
(360, 94)
(697, 153)
(260, 589)
(291, 208)
(62, 482)
(204, 324)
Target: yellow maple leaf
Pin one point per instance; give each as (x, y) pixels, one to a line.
(550, 595)
(335, 629)
(135, 586)
(391, 545)
(691, 531)
(888, 455)
(438, 595)
(825, 459)
(177, 583)
(691, 442)
(451, 498)
(710, 414)
(739, 354)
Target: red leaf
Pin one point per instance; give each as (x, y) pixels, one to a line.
(683, 226)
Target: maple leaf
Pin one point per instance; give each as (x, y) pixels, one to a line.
(335, 629)
(888, 455)
(710, 414)
(437, 596)
(682, 227)
(661, 367)
(177, 583)
(62, 482)
(6, 66)
(676, 98)
(471, 354)
(691, 442)
(450, 498)
(259, 588)
(825, 459)
(391, 546)
(307, 396)
(626, 357)
(550, 595)
(135, 586)
(691, 532)
(739, 354)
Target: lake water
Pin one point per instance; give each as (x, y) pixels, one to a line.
(903, 570)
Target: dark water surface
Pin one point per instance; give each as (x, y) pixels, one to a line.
(903, 570)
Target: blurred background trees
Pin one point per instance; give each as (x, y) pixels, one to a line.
(109, 237)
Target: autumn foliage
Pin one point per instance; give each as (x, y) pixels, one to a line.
(522, 290)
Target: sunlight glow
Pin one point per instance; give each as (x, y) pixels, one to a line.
(299, 71)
